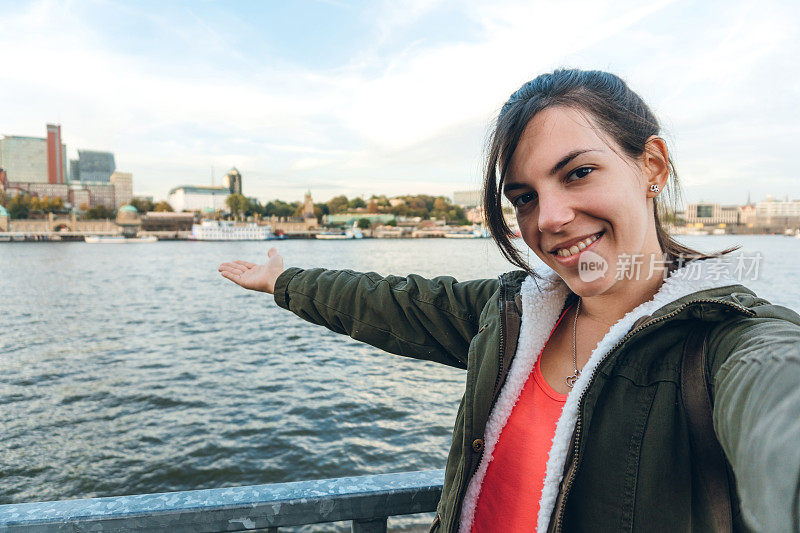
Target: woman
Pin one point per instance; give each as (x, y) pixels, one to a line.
(573, 416)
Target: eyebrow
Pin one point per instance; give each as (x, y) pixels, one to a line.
(564, 161)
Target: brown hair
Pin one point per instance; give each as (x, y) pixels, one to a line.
(618, 111)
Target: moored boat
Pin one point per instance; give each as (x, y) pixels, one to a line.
(353, 233)
(110, 239)
(226, 230)
(477, 233)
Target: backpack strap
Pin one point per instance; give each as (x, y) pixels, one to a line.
(710, 458)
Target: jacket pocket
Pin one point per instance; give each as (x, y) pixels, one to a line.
(436, 525)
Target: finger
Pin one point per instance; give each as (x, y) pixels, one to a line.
(233, 269)
(272, 251)
(228, 265)
(247, 264)
(230, 275)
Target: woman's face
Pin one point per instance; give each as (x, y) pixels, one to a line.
(567, 184)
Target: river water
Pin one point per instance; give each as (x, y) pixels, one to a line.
(130, 369)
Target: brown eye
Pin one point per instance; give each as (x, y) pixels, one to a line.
(523, 199)
(580, 172)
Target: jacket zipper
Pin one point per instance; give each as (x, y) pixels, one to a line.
(501, 352)
(474, 465)
(576, 457)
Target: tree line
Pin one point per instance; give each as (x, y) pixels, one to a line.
(415, 205)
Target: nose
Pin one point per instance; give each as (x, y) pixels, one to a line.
(554, 212)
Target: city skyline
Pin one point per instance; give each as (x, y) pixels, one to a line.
(362, 98)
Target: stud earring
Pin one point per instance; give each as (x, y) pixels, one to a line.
(654, 187)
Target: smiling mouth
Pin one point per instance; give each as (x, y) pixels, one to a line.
(575, 249)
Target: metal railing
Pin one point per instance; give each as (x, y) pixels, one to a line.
(366, 500)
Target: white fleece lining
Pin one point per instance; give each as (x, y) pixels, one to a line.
(541, 309)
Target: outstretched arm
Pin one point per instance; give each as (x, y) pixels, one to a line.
(433, 319)
(757, 419)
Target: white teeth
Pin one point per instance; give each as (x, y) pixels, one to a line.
(574, 249)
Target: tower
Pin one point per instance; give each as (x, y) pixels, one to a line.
(55, 154)
(308, 206)
(233, 181)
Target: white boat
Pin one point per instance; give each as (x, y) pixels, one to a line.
(476, 233)
(340, 235)
(104, 239)
(353, 233)
(226, 230)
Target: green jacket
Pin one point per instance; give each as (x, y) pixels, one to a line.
(621, 459)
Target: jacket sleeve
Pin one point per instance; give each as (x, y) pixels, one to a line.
(433, 319)
(757, 417)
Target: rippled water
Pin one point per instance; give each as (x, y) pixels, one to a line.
(130, 369)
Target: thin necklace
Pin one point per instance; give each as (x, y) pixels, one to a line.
(574, 377)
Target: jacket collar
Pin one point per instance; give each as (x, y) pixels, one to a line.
(703, 281)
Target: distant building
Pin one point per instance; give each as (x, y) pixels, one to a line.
(101, 194)
(308, 206)
(25, 159)
(475, 215)
(38, 167)
(79, 197)
(123, 187)
(56, 155)
(92, 166)
(233, 181)
(195, 198)
(51, 190)
(712, 214)
(771, 207)
(74, 170)
(467, 198)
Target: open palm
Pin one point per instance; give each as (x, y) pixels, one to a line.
(252, 276)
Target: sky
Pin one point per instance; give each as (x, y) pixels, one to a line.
(384, 97)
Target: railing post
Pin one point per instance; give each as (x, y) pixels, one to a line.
(375, 525)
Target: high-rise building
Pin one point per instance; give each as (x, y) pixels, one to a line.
(26, 159)
(92, 166)
(233, 181)
(38, 166)
(74, 171)
(123, 187)
(56, 155)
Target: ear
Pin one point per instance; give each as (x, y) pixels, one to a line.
(655, 164)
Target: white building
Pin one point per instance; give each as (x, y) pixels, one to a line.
(196, 198)
(778, 208)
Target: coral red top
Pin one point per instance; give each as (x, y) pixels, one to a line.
(510, 493)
